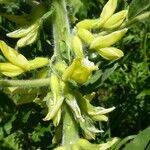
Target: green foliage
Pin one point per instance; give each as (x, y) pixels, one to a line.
(137, 8)
(141, 141)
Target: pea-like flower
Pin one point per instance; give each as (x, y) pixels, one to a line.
(80, 70)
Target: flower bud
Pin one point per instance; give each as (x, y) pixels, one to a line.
(115, 20)
(54, 89)
(98, 110)
(57, 117)
(108, 40)
(77, 47)
(108, 9)
(10, 70)
(110, 53)
(38, 62)
(54, 101)
(28, 39)
(22, 31)
(8, 67)
(106, 13)
(79, 70)
(13, 56)
(86, 24)
(11, 74)
(85, 35)
(99, 117)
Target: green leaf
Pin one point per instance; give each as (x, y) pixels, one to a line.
(23, 19)
(137, 7)
(143, 94)
(98, 78)
(39, 132)
(11, 142)
(108, 72)
(140, 142)
(95, 77)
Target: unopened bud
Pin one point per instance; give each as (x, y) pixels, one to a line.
(22, 31)
(86, 24)
(110, 53)
(106, 13)
(28, 39)
(99, 117)
(77, 47)
(54, 101)
(38, 62)
(108, 9)
(116, 20)
(55, 86)
(85, 35)
(10, 70)
(108, 40)
(13, 56)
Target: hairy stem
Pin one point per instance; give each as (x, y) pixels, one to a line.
(61, 33)
(70, 130)
(25, 83)
(61, 30)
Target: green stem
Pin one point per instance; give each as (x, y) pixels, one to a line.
(61, 30)
(25, 83)
(70, 130)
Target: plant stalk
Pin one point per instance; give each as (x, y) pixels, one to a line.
(61, 32)
(25, 83)
(70, 130)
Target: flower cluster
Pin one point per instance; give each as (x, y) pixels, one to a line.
(101, 42)
(18, 64)
(79, 70)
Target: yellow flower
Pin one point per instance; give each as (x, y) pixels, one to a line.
(80, 70)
